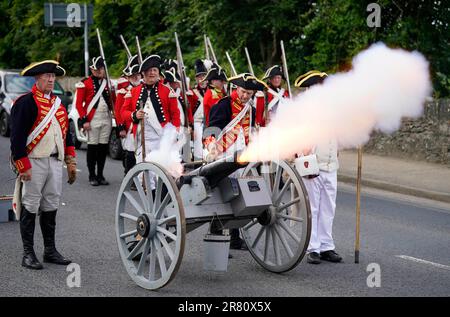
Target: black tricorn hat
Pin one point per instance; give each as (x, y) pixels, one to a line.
(97, 63)
(215, 72)
(273, 71)
(149, 62)
(47, 66)
(200, 67)
(248, 81)
(132, 66)
(169, 64)
(310, 78)
(171, 76)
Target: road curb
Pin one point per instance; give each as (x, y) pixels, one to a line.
(401, 189)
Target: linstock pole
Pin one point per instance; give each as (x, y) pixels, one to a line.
(184, 89)
(358, 204)
(142, 123)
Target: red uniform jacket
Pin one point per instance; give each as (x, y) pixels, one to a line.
(212, 96)
(26, 113)
(160, 95)
(261, 104)
(123, 86)
(86, 91)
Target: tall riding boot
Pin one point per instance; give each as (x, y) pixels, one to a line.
(27, 223)
(91, 158)
(101, 159)
(47, 221)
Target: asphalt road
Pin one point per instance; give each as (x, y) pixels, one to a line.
(408, 238)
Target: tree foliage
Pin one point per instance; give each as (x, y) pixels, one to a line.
(321, 34)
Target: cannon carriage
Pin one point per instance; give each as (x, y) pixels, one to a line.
(267, 201)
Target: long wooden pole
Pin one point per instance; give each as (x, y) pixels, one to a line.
(142, 123)
(358, 204)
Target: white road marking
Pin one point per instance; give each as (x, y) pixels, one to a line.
(406, 257)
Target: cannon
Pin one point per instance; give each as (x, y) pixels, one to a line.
(267, 201)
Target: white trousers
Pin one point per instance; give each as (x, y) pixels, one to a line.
(101, 126)
(43, 191)
(198, 145)
(322, 192)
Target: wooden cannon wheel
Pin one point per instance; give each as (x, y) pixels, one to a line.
(150, 226)
(279, 237)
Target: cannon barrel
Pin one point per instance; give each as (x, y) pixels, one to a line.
(215, 171)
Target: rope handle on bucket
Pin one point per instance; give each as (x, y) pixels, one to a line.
(212, 220)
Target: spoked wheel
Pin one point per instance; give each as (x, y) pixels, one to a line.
(279, 237)
(150, 225)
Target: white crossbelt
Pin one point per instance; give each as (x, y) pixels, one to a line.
(96, 97)
(44, 122)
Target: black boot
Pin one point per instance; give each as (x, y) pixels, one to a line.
(130, 161)
(27, 223)
(48, 225)
(91, 158)
(101, 159)
(236, 242)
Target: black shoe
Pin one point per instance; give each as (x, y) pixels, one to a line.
(30, 261)
(47, 221)
(330, 256)
(131, 246)
(102, 181)
(313, 258)
(27, 224)
(238, 245)
(93, 181)
(230, 256)
(53, 256)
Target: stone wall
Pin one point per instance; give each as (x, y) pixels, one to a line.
(426, 138)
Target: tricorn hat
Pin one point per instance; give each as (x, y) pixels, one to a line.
(171, 76)
(215, 72)
(273, 71)
(149, 62)
(310, 78)
(169, 64)
(248, 81)
(97, 63)
(200, 68)
(132, 66)
(47, 66)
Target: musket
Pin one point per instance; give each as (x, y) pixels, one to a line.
(184, 89)
(126, 46)
(212, 51)
(142, 123)
(231, 64)
(250, 66)
(108, 82)
(206, 47)
(285, 69)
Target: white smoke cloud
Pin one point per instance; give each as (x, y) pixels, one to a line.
(383, 86)
(168, 153)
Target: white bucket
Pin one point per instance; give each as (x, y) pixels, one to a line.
(217, 248)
